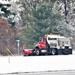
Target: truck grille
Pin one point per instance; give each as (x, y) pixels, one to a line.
(66, 47)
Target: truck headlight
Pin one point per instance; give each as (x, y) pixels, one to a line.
(63, 47)
(70, 47)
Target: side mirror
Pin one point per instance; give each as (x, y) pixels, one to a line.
(40, 38)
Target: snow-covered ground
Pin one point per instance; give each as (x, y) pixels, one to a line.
(10, 64)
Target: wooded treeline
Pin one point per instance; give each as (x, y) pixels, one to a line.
(38, 18)
(8, 38)
(41, 17)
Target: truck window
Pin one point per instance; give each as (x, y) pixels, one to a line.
(51, 38)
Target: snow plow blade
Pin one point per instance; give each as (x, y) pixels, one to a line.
(28, 52)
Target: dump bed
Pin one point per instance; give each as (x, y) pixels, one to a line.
(64, 41)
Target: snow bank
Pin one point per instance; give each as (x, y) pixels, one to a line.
(36, 63)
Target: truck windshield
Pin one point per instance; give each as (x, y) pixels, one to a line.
(51, 38)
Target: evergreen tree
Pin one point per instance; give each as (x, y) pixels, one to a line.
(42, 20)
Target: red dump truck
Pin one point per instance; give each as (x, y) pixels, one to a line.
(51, 44)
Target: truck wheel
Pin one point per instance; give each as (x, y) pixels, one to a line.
(70, 51)
(37, 51)
(54, 52)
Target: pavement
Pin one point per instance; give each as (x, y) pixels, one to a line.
(62, 72)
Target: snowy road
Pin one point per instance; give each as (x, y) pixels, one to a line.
(70, 72)
(14, 64)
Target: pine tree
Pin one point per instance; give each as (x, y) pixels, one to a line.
(41, 21)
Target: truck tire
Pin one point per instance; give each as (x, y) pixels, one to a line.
(70, 51)
(54, 52)
(37, 51)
